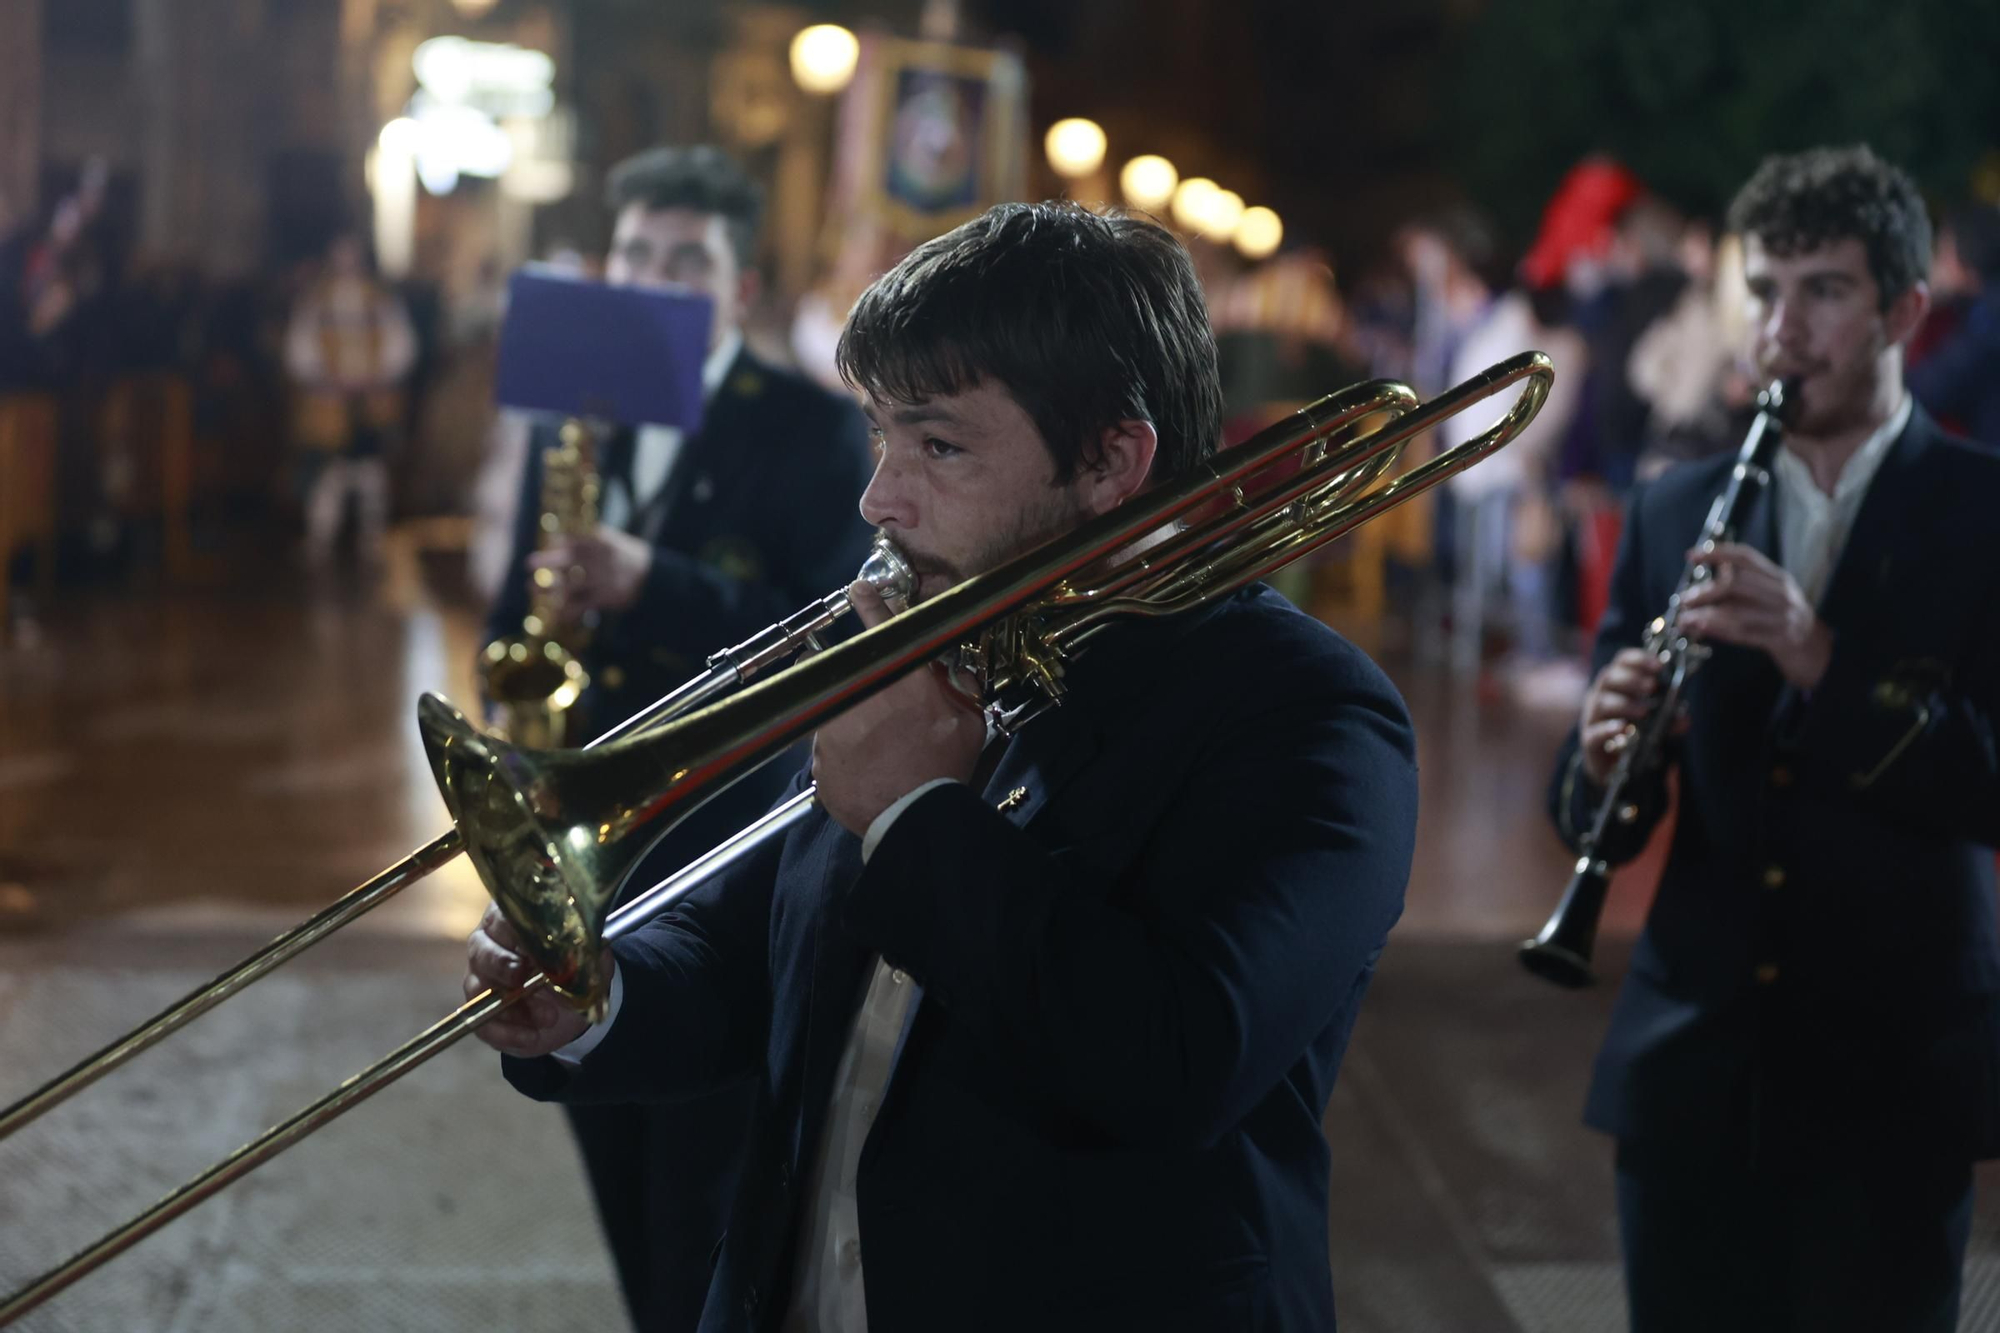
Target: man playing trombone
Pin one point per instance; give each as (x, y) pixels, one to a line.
(1042, 1028)
(1804, 1061)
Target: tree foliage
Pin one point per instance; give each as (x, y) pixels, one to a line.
(1691, 94)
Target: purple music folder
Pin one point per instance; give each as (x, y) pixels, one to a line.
(625, 355)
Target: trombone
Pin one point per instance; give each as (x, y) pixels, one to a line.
(554, 834)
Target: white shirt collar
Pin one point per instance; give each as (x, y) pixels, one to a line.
(719, 361)
(1858, 471)
(1812, 525)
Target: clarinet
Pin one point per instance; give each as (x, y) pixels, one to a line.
(1561, 953)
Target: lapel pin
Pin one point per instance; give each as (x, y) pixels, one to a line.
(1013, 800)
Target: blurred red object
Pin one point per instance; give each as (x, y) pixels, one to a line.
(1596, 548)
(1579, 218)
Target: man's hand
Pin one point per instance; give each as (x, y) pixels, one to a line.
(1753, 602)
(1613, 706)
(537, 1025)
(601, 572)
(891, 743)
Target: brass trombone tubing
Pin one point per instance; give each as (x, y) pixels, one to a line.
(724, 671)
(1347, 512)
(198, 1002)
(1344, 408)
(440, 1036)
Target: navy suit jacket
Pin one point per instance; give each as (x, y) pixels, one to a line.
(1139, 980)
(1820, 964)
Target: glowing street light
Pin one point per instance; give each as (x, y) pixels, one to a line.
(1259, 233)
(1148, 181)
(824, 57)
(1220, 214)
(1191, 201)
(1075, 147)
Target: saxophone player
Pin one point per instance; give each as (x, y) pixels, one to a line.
(701, 541)
(1804, 1061)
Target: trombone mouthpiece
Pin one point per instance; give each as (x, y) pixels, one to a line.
(889, 573)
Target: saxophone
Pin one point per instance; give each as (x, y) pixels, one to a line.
(535, 677)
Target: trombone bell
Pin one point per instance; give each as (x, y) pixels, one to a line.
(551, 877)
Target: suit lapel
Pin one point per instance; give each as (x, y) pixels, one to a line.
(1055, 747)
(1035, 767)
(835, 971)
(1867, 558)
(694, 476)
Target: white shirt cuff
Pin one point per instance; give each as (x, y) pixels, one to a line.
(572, 1054)
(888, 817)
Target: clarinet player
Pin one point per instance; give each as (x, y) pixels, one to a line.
(1804, 1061)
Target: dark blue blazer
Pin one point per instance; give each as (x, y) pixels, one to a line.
(1820, 964)
(1138, 983)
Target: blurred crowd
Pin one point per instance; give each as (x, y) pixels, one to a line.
(1640, 306)
(324, 401)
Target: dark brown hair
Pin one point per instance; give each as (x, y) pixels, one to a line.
(1086, 319)
(1804, 200)
(701, 179)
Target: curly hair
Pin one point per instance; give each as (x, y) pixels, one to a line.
(1086, 319)
(700, 178)
(1802, 201)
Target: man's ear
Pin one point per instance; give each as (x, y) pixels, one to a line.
(1123, 467)
(749, 286)
(1906, 312)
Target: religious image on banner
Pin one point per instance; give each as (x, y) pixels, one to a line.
(931, 134)
(934, 137)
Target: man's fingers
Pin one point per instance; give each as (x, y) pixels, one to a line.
(1634, 660)
(523, 1028)
(1620, 706)
(1726, 555)
(558, 555)
(1599, 736)
(1629, 680)
(495, 965)
(1628, 685)
(867, 603)
(495, 926)
(1741, 626)
(1745, 569)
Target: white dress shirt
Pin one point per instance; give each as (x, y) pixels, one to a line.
(655, 449)
(826, 1292)
(1812, 525)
